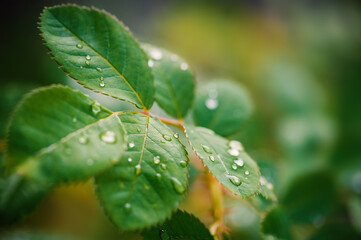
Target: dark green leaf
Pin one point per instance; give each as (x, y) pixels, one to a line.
(182, 225)
(276, 224)
(335, 231)
(226, 160)
(174, 81)
(94, 48)
(18, 197)
(148, 182)
(354, 206)
(308, 197)
(222, 107)
(59, 134)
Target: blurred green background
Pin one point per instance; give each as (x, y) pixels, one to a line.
(300, 62)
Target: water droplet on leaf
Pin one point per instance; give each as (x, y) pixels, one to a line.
(246, 172)
(211, 158)
(95, 107)
(163, 166)
(156, 160)
(108, 137)
(211, 103)
(239, 162)
(99, 69)
(178, 186)
(183, 163)
(128, 207)
(88, 57)
(236, 145)
(176, 135)
(158, 176)
(75, 119)
(234, 166)
(167, 138)
(79, 46)
(83, 139)
(233, 152)
(234, 180)
(150, 63)
(207, 149)
(87, 63)
(131, 145)
(130, 159)
(184, 66)
(156, 54)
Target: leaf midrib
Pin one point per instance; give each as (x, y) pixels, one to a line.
(97, 53)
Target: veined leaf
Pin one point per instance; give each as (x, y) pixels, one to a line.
(174, 82)
(59, 134)
(94, 48)
(276, 225)
(18, 197)
(182, 225)
(222, 106)
(148, 182)
(266, 189)
(226, 160)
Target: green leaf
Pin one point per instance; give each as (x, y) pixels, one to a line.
(222, 106)
(18, 197)
(149, 181)
(59, 134)
(276, 224)
(266, 189)
(94, 48)
(354, 206)
(226, 160)
(309, 196)
(335, 231)
(182, 225)
(174, 82)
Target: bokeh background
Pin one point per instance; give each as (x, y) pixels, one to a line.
(300, 62)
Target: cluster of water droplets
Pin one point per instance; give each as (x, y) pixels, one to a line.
(212, 101)
(235, 147)
(157, 55)
(88, 63)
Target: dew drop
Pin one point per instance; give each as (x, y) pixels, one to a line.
(211, 158)
(184, 66)
(158, 176)
(269, 186)
(81, 67)
(234, 180)
(95, 107)
(246, 173)
(79, 46)
(156, 160)
(128, 207)
(207, 149)
(130, 159)
(75, 119)
(162, 141)
(156, 54)
(167, 138)
(83, 139)
(150, 63)
(163, 166)
(234, 166)
(138, 169)
(183, 163)
(211, 103)
(233, 152)
(235, 144)
(101, 78)
(178, 186)
(90, 161)
(139, 130)
(88, 57)
(262, 181)
(239, 162)
(87, 63)
(176, 135)
(131, 145)
(99, 69)
(108, 137)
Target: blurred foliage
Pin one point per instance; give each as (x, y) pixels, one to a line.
(301, 65)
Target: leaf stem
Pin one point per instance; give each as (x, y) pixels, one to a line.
(217, 228)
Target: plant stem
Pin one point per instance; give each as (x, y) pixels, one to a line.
(217, 227)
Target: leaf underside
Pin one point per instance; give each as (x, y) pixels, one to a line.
(241, 179)
(58, 134)
(222, 106)
(174, 82)
(182, 225)
(148, 182)
(94, 48)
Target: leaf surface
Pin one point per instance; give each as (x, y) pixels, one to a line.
(94, 48)
(59, 134)
(182, 225)
(266, 189)
(148, 182)
(222, 106)
(226, 160)
(276, 225)
(174, 82)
